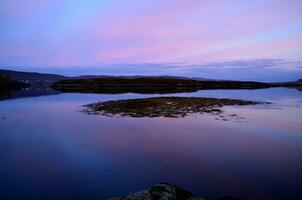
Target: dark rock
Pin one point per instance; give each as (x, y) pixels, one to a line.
(230, 198)
(164, 191)
(160, 191)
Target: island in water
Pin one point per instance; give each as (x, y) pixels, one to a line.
(172, 107)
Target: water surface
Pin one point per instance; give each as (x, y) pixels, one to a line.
(49, 149)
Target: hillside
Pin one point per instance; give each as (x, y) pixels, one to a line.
(138, 84)
(7, 85)
(7, 82)
(32, 77)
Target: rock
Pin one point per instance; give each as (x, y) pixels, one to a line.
(164, 191)
(230, 198)
(142, 195)
(160, 191)
(115, 198)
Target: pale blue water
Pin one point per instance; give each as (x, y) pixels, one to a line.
(49, 149)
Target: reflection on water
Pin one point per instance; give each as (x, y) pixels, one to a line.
(137, 90)
(5, 93)
(27, 92)
(49, 149)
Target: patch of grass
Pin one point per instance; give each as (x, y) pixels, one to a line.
(163, 106)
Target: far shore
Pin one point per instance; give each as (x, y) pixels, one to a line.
(16, 80)
(158, 85)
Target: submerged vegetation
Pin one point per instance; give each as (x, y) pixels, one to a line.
(163, 106)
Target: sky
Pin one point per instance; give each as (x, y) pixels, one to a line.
(229, 39)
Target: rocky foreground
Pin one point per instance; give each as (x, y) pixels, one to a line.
(166, 192)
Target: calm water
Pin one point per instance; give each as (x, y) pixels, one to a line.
(49, 149)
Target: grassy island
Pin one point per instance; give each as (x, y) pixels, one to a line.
(163, 106)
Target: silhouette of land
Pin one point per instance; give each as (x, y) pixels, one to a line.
(157, 85)
(134, 84)
(8, 86)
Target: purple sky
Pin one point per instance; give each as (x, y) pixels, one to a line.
(254, 40)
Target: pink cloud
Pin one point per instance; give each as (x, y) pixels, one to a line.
(154, 31)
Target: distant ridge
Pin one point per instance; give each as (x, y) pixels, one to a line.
(46, 77)
(138, 76)
(31, 76)
(35, 78)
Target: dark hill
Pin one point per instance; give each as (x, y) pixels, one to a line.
(32, 77)
(149, 85)
(7, 85)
